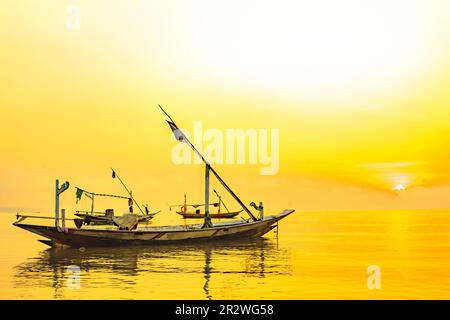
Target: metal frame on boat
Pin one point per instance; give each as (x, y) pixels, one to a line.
(197, 214)
(102, 218)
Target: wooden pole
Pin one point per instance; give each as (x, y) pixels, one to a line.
(207, 223)
(57, 204)
(63, 219)
(58, 191)
(38, 217)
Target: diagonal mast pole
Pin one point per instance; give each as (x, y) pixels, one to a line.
(212, 170)
(129, 192)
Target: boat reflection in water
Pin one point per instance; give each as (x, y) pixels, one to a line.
(157, 272)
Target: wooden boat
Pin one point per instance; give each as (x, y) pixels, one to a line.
(112, 236)
(95, 237)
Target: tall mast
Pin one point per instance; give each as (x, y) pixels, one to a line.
(207, 223)
(209, 168)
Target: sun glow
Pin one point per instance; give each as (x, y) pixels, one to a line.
(315, 50)
(399, 187)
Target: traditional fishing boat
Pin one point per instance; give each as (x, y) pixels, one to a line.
(112, 236)
(197, 214)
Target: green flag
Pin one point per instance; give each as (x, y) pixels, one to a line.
(79, 193)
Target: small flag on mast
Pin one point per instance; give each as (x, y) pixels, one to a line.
(113, 174)
(177, 132)
(79, 193)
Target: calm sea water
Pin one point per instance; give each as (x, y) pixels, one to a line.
(322, 255)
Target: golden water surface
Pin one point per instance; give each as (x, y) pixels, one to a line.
(318, 255)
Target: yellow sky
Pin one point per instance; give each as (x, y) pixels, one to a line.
(358, 89)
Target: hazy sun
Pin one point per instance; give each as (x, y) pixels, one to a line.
(399, 187)
(316, 49)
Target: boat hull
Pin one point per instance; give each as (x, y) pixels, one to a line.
(154, 235)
